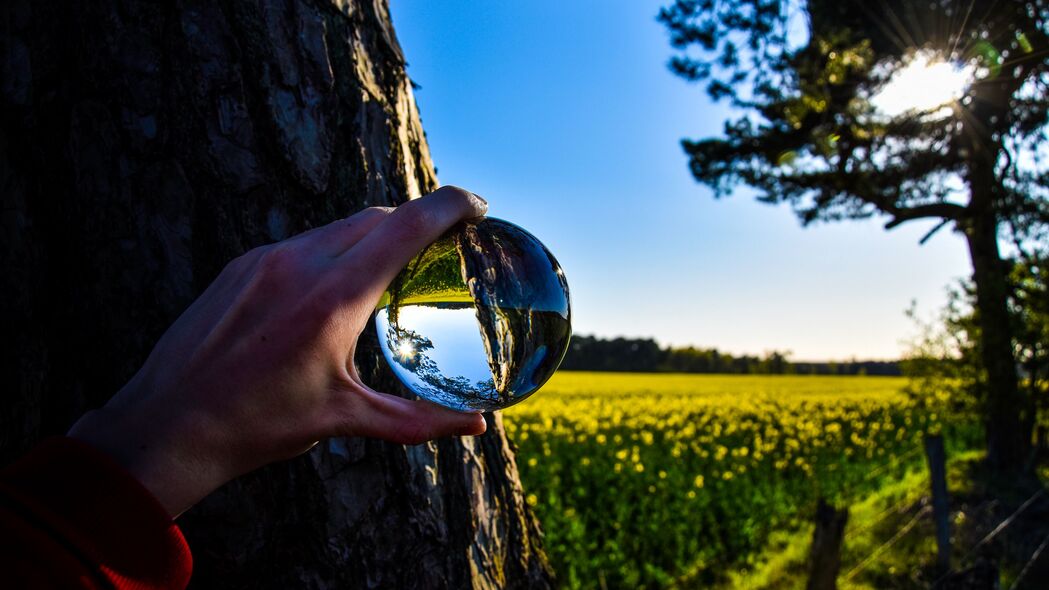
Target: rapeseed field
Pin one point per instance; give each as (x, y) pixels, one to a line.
(640, 479)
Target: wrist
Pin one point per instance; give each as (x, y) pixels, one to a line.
(175, 474)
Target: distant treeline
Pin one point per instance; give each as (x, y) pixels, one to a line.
(588, 353)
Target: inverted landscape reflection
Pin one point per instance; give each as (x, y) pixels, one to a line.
(479, 320)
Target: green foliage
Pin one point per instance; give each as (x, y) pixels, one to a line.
(643, 479)
(589, 353)
(809, 135)
(1029, 304)
(943, 362)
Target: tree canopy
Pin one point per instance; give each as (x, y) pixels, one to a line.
(805, 76)
(908, 110)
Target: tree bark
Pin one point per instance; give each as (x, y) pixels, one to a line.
(1006, 410)
(1005, 414)
(142, 146)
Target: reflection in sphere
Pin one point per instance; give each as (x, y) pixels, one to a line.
(479, 320)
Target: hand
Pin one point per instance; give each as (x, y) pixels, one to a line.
(260, 367)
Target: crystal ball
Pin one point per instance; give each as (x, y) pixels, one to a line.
(478, 320)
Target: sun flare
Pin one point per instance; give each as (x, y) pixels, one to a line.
(925, 83)
(406, 350)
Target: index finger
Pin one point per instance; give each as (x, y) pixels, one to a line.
(376, 259)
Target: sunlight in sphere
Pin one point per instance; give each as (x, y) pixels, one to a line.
(406, 350)
(925, 83)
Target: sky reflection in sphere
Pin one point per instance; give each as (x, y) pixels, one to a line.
(479, 320)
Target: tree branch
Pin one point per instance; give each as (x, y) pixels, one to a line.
(946, 211)
(929, 234)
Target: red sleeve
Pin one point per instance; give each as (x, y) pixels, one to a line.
(70, 517)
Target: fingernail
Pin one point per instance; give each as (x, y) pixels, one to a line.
(484, 203)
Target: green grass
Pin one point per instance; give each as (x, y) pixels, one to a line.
(659, 480)
(878, 553)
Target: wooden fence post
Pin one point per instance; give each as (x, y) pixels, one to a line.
(825, 555)
(937, 459)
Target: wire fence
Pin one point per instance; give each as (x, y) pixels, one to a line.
(884, 514)
(893, 461)
(853, 492)
(902, 531)
(1027, 568)
(1004, 524)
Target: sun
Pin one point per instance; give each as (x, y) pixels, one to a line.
(406, 350)
(926, 85)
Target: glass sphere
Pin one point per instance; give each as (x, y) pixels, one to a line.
(479, 320)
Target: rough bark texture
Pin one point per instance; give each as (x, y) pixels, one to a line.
(143, 145)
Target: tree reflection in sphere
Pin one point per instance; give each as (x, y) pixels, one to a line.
(479, 320)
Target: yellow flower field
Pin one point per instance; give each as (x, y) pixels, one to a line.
(639, 478)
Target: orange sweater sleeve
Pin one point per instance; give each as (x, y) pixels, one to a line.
(70, 517)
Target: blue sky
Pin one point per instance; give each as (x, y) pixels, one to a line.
(565, 118)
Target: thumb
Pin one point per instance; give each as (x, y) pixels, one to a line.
(409, 422)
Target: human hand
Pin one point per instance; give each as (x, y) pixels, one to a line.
(260, 367)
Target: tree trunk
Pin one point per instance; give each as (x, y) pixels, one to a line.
(1006, 410)
(1005, 414)
(143, 145)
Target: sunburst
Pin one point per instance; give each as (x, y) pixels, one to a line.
(925, 85)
